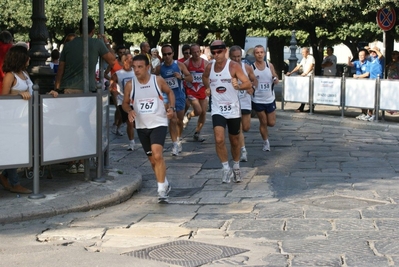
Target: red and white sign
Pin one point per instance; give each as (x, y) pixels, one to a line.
(386, 18)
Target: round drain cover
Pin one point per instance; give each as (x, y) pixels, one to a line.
(185, 252)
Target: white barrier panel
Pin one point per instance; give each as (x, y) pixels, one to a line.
(296, 89)
(104, 132)
(68, 127)
(327, 91)
(15, 134)
(389, 95)
(360, 93)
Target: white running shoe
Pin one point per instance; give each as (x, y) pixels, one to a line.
(175, 150)
(227, 175)
(372, 118)
(163, 195)
(81, 168)
(237, 175)
(361, 116)
(243, 157)
(365, 118)
(72, 169)
(266, 146)
(132, 146)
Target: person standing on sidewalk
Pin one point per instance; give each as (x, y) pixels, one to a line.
(235, 54)
(69, 78)
(263, 99)
(221, 80)
(307, 63)
(16, 81)
(143, 102)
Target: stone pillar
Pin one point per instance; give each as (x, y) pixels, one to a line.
(293, 46)
(39, 72)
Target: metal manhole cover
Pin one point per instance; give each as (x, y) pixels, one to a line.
(186, 253)
(341, 202)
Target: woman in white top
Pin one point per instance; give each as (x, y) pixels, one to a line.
(16, 82)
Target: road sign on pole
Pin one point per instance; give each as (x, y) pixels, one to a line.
(386, 18)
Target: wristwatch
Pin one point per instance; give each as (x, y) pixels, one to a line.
(173, 108)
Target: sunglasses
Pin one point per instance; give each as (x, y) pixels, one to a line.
(214, 52)
(167, 54)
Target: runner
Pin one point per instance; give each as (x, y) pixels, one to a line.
(143, 102)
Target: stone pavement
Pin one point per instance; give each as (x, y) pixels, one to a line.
(326, 195)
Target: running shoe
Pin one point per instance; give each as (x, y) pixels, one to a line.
(72, 169)
(163, 195)
(237, 175)
(266, 146)
(244, 156)
(81, 168)
(197, 137)
(175, 150)
(227, 175)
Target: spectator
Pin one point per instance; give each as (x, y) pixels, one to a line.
(69, 79)
(6, 42)
(55, 60)
(362, 71)
(307, 64)
(393, 67)
(329, 63)
(16, 82)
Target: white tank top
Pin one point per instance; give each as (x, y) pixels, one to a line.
(23, 85)
(225, 100)
(123, 77)
(147, 101)
(264, 93)
(245, 98)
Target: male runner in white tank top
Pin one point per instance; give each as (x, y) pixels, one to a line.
(143, 101)
(263, 99)
(221, 80)
(235, 54)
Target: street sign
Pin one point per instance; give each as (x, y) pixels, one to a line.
(386, 18)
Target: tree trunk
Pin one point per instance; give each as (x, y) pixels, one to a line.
(276, 51)
(175, 41)
(117, 36)
(238, 35)
(201, 35)
(153, 36)
(314, 42)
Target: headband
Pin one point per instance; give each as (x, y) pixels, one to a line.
(221, 46)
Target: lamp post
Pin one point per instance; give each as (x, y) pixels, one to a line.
(293, 46)
(40, 73)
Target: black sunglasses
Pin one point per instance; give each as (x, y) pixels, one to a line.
(167, 54)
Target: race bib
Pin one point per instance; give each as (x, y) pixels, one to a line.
(264, 86)
(197, 77)
(172, 82)
(225, 107)
(147, 105)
